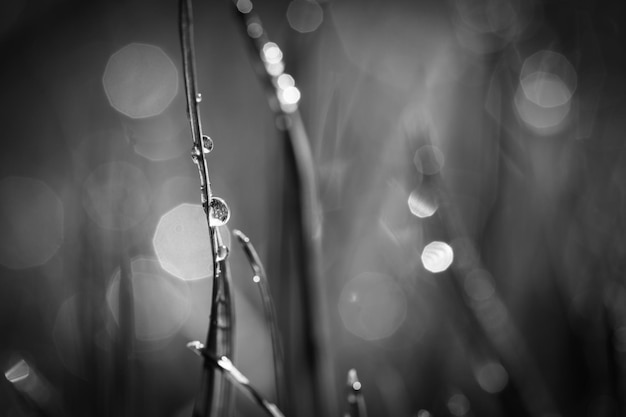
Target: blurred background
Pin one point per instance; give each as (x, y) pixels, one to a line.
(472, 178)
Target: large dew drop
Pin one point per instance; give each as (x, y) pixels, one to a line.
(219, 213)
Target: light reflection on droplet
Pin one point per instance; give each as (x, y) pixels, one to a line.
(140, 80)
(182, 245)
(219, 213)
(304, 16)
(492, 377)
(437, 256)
(31, 223)
(372, 306)
(117, 195)
(478, 285)
(272, 53)
(458, 405)
(161, 303)
(428, 160)
(422, 202)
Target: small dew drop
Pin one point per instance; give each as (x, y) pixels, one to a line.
(199, 98)
(222, 252)
(195, 155)
(207, 144)
(256, 279)
(219, 213)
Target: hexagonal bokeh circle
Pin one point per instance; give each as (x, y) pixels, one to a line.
(181, 242)
(140, 80)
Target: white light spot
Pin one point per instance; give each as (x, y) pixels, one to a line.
(18, 372)
(372, 306)
(272, 53)
(140, 80)
(437, 256)
(285, 81)
(422, 202)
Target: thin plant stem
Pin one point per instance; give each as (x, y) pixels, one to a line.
(215, 396)
(225, 365)
(304, 232)
(260, 278)
(356, 402)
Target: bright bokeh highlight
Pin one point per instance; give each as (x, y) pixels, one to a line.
(140, 80)
(544, 96)
(117, 195)
(422, 202)
(372, 306)
(437, 256)
(31, 221)
(162, 304)
(181, 242)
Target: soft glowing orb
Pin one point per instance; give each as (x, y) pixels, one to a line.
(304, 16)
(372, 306)
(492, 377)
(272, 53)
(544, 96)
(428, 160)
(458, 405)
(181, 242)
(422, 202)
(161, 303)
(140, 80)
(31, 221)
(437, 256)
(117, 195)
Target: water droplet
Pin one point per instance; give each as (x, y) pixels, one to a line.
(199, 98)
(222, 252)
(195, 155)
(219, 213)
(207, 144)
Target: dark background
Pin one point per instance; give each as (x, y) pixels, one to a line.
(529, 320)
